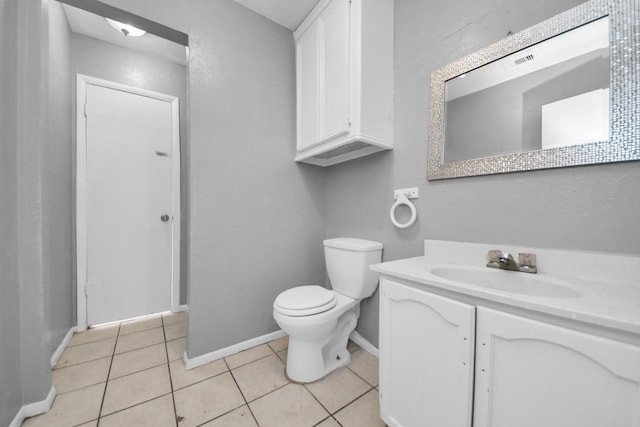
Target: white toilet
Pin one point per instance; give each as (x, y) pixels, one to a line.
(319, 320)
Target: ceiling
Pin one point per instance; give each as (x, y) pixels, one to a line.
(92, 25)
(288, 13)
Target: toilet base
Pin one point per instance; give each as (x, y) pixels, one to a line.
(308, 361)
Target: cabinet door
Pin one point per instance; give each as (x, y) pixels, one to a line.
(531, 374)
(426, 358)
(307, 75)
(333, 33)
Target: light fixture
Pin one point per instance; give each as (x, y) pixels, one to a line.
(126, 29)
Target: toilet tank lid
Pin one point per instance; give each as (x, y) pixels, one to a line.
(352, 244)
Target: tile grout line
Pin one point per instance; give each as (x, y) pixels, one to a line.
(173, 396)
(240, 390)
(106, 384)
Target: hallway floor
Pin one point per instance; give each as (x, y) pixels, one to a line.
(132, 374)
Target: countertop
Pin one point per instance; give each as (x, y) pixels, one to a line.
(612, 304)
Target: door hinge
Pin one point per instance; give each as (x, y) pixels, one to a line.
(85, 109)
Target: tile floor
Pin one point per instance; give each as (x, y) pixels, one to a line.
(132, 374)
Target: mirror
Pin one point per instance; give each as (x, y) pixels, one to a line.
(561, 93)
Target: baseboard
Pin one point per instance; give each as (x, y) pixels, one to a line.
(183, 307)
(364, 344)
(33, 409)
(56, 354)
(194, 362)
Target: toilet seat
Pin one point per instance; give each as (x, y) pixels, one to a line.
(305, 301)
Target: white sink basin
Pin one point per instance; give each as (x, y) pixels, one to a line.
(508, 281)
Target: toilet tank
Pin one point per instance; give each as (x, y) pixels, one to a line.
(348, 262)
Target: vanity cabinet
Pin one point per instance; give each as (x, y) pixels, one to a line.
(426, 358)
(344, 77)
(532, 374)
(528, 373)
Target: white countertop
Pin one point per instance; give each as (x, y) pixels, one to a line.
(609, 303)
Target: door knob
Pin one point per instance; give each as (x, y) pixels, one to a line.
(164, 218)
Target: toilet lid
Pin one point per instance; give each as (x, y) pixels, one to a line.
(305, 301)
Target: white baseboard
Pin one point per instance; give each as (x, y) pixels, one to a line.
(56, 354)
(194, 362)
(183, 307)
(364, 344)
(33, 409)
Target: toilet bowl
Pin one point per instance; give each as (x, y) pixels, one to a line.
(319, 320)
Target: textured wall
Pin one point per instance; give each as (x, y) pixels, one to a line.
(107, 61)
(11, 389)
(256, 216)
(57, 186)
(590, 207)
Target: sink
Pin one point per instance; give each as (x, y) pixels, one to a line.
(508, 281)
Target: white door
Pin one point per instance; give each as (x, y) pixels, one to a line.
(128, 190)
(426, 358)
(531, 374)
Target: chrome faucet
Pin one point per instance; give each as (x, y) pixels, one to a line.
(504, 260)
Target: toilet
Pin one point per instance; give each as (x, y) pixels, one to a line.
(319, 320)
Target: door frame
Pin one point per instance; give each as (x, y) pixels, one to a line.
(81, 189)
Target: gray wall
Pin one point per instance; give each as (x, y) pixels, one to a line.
(590, 207)
(256, 216)
(26, 340)
(57, 184)
(257, 220)
(107, 61)
(11, 389)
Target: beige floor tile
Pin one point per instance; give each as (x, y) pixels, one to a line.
(138, 360)
(71, 409)
(338, 389)
(289, 406)
(258, 378)
(351, 346)
(86, 352)
(155, 413)
(247, 356)
(365, 365)
(329, 422)
(176, 348)
(364, 412)
(181, 378)
(94, 334)
(136, 388)
(207, 400)
(93, 423)
(140, 325)
(175, 330)
(171, 318)
(139, 340)
(240, 417)
(82, 375)
(283, 356)
(279, 344)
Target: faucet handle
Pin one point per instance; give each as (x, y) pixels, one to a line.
(528, 263)
(493, 258)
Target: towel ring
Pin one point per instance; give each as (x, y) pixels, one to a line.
(402, 200)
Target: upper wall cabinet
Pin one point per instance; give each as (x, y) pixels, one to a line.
(344, 73)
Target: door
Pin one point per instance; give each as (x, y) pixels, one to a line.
(426, 358)
(532, 374)
(128, 204)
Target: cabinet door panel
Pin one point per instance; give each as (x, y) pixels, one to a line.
(426, 358)
(531, 374)
(307, 74)
(334, 47)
